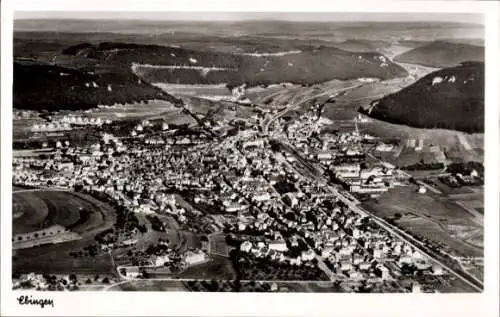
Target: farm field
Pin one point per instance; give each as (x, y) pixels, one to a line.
(218, 110)
(77, 212)
(346, 105)
(447, 190)
(433, 217)
(447, 140)
(281, 95)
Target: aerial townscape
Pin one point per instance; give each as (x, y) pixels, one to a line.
(248, 156)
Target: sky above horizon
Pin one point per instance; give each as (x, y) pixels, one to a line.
(245, 16)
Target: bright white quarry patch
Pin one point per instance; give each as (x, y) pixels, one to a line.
(437, 80)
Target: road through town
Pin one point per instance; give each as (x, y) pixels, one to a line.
(462, 275)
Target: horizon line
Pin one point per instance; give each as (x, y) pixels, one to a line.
(227, 16)
(245, 20)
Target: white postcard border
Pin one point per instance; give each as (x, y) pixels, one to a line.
(265, 304)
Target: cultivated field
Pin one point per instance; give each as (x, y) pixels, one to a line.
(448, 142)
(218, 110)
(281, 95)
(152, 110)
(432, 216)
(346, 105)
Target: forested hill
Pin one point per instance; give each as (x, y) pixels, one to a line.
(442, 54)
(450, 98)
(170, 64)
(52, 88)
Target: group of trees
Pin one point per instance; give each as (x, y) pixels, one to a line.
(90, 250)
(126, 219)
(156, 223)
(249, 267)
(466, 168)
(53, 283)
(421, 166)
(157, 249)
(227, 286)
(106, 237)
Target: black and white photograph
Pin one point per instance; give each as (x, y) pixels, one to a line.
(285, 152)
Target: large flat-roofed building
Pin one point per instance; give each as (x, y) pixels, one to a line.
(347, 170)
(368, 189)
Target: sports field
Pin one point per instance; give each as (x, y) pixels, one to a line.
(78, 213)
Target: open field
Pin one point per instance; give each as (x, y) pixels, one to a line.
(346, 105)
(447, 140)
(432, 216)
(281, 95)
(55, 259)
(150, 285)
(195, 90)
(179, 286)
(154, 109)
(218, 110)
(448, 190)
(77, 212)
